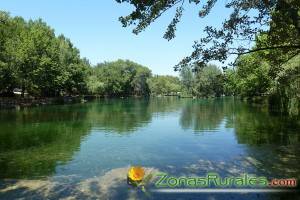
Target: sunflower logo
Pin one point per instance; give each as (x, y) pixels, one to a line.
(136, 177)
(136, 174)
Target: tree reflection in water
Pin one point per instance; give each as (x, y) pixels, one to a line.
(35, 142)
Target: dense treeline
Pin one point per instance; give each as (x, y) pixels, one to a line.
(40, 64)
(126, 78)
(255, 76)
(119, 78)
(270, 73)
(270, 68)
(34, 60)
(205, 82)
(167, 85)
(273, 73)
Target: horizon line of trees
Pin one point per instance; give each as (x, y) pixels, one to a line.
(37, 62)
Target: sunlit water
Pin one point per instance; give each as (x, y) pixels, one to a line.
(84, 150)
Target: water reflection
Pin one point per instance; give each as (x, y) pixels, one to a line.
(34, 141)
(256, 126)
(253, 125)
(126, 116)
(84, 141)
(119, 116)
(199, 115)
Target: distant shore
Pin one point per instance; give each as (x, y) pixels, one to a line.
(18, 102)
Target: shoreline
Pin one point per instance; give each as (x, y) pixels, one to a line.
(18, 102)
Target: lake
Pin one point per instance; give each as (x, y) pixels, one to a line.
(83, 151)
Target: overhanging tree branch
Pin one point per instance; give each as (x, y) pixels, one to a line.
(268, 48)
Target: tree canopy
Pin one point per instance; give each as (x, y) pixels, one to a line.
(119, 78)
(279, 20)
(164, 85)
(33, 59)
(37, 62)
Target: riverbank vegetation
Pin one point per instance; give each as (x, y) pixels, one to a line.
(253, 78)
(119, 78)
(37, 63)
(263, 36)
(164, 85)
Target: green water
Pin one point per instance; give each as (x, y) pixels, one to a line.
(69, 150)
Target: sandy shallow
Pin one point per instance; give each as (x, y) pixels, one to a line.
(111, 185)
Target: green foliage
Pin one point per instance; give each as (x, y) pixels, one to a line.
(209, 82)
(256, 75)
(164, 85)
(288, 86)
(7, 74)
(252, 76)
(273, 25)
(187, 79)
(33, 59)
(75, 72)
(119, 78)
(278, 19)
(95, 86)
(230, 82)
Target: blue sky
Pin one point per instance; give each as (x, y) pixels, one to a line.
(93, 27)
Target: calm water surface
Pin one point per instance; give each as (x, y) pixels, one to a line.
(84, 150)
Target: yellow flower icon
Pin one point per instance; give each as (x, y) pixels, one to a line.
(136, 173)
